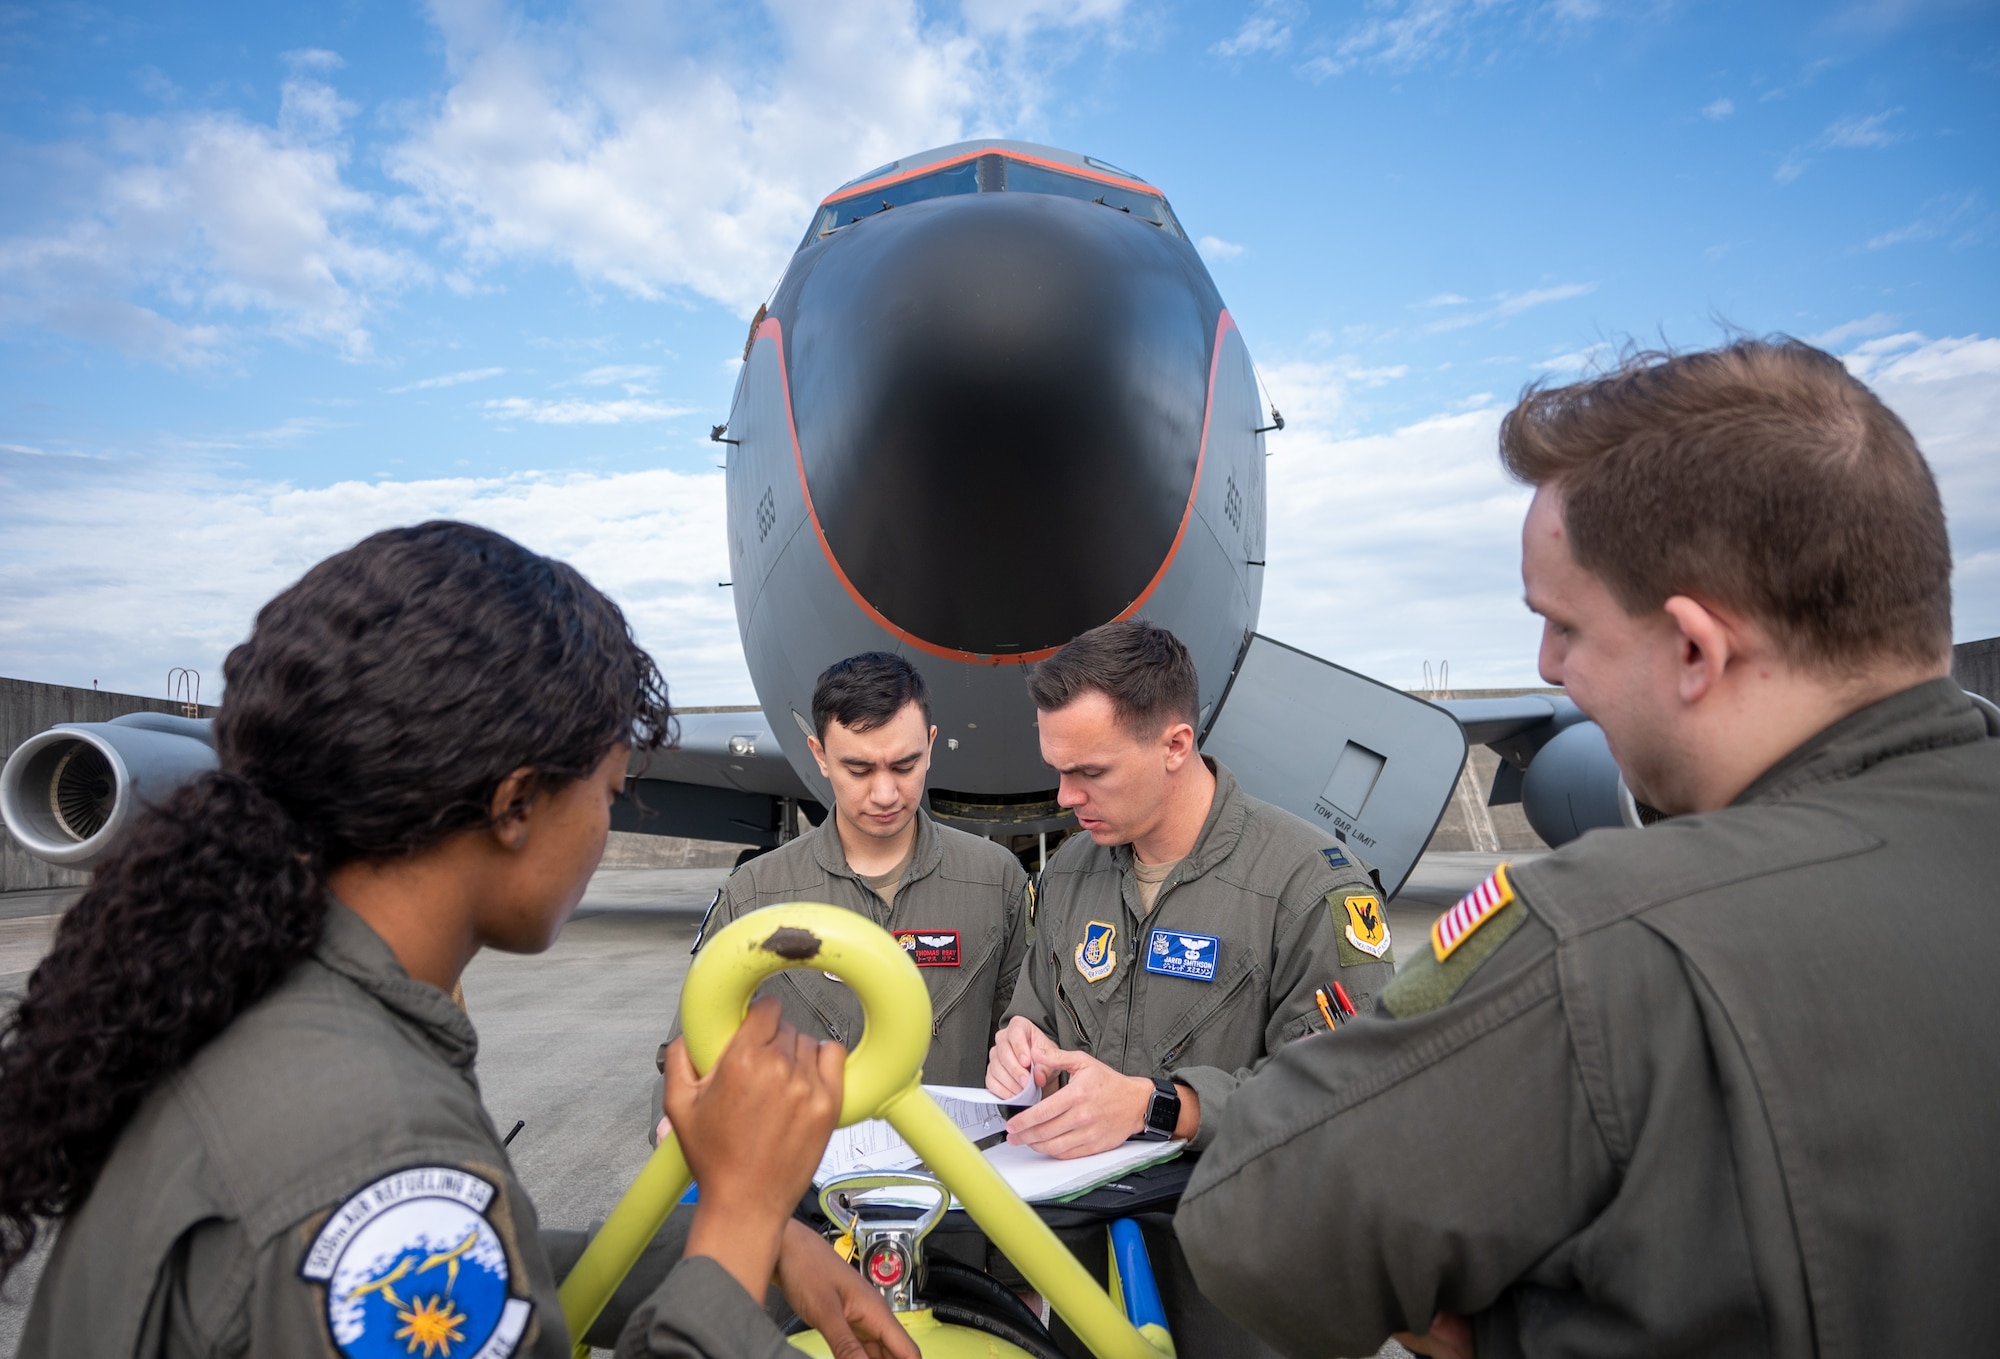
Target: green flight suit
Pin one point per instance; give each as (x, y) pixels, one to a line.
(332, 1139)
(1268, 888)
(1271, 893)
(961, 910)
(1729, 1085)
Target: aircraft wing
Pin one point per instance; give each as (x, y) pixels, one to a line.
(724, 750)
(723, 780)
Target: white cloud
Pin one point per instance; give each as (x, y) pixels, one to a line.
(1389, 550)
(1717, 110)
(1835, 336)
(630, 411)
(1216, 250)
(1400, 37)
(195, 558)
(1853, 132)
(202, 218)
(1266, 28)
(448, 380)
(1948, 392)
(1952, 214)
(633, 377)
(1501, 306)
(654, 166)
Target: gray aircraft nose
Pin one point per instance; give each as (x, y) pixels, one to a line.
(999, 402)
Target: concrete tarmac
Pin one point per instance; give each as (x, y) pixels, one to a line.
(567, 1037)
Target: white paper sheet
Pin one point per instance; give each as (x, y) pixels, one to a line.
(1037, 1178)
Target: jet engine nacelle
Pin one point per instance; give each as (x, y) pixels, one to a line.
(71, 793)
(1573, 785)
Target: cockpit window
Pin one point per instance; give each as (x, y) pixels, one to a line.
(953, 179)
(1150, 208)
(990, 174)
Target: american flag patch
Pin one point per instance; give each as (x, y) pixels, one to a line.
(1474, 909)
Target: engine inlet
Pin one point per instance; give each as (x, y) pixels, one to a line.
(82, 791)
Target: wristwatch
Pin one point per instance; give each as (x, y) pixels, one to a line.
(1163, 1112)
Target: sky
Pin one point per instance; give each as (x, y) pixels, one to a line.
(273, 277)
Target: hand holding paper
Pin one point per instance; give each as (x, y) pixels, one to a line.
(1018, 1062)
(1096, 1110)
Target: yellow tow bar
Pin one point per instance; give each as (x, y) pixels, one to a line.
(882, 1082)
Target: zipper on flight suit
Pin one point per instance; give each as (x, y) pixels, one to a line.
(966, 976)
(1218, 1007)
(1062, 999)
(832, 1031)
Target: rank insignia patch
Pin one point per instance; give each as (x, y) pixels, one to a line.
(1194, 956)
(412, 1267)
(1335, 857)
(1095, 958)
(930, 948)
(1474, 909)
(1367, 927)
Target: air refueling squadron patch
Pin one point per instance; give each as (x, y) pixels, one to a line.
(412, 1267)
(1095, 958)
(1367, 927)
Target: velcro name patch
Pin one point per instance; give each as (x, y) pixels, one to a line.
(1474, 909)
(930, 948)
(1174, 954)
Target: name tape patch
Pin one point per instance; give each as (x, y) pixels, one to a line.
(1474, 909)
(412, 1266)
(1174, 954)
(930, 948)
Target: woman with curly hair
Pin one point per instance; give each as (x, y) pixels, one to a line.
(238, 1086)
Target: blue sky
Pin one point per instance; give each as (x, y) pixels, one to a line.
(274, 276)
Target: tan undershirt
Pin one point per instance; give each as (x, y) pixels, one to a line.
(1149, 877)
(884, 884)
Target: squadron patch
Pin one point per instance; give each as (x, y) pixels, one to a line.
(412, 1266)
(1367, 927)
(930, 948)
(1173, 954)
(1095, 958)
(1474, 909)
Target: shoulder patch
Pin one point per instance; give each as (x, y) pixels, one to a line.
(1335, 857)
(412, 1266)
(1367, 928)
(1095, 958)
(1474, 909)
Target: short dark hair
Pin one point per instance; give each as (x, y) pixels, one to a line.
(862, 692)
(1761, 476)
(1143, 669)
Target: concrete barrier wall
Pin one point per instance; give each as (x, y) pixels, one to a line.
(1976, 667)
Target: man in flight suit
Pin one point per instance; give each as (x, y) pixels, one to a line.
(956, 902)
(1186, 935)
(1722, 1085)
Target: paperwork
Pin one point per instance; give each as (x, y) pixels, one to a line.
(1037, 1178)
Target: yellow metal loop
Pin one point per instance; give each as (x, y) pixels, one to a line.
(882, 1079)
(897, 1036)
